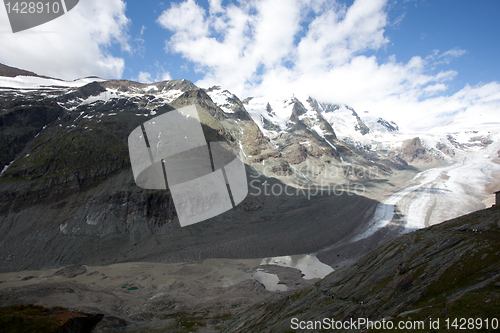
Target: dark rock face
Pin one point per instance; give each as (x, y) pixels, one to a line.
(361, 127)
(19, 124)
(91, 89)
(13, 72)
(269, 125)
(330, 108)
(439, 272)
(445, 149)
(391, 126)
(96, 227)
(413, 150)
(299, 110)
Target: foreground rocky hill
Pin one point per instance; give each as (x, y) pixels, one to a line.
(447, 271)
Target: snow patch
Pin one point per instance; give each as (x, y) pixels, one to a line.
(221, 99)
(33, 82)
(171, 95)
(104, 96)
(63, 228)
(308, 264)
(281, 107)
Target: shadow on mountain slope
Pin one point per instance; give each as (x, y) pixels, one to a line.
(115, 221)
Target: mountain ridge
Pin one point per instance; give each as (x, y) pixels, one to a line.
(79, 153)
(73, 175)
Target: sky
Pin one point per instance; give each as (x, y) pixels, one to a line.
(420, 63)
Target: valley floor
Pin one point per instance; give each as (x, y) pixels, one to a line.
(136, 296)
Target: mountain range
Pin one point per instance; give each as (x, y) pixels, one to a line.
(67, 194)
(323, 179)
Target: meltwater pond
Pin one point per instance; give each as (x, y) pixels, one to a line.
(308, 264)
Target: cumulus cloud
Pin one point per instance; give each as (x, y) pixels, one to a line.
(318, 48)
(147, 77)
(144, 77)
(72, 46)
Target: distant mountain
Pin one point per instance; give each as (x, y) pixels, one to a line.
(68, 196)
(379, 124)
(13, 72)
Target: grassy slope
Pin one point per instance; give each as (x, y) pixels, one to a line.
(445, 271)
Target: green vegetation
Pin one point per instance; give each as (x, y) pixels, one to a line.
(191, 324)
(27, 319)
(466, 290)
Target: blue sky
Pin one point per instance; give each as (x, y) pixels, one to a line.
(472, 26)
(421, 63)
(414, 28)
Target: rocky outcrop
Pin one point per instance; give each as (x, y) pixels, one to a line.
(445, 149)
(35, 318)
(81, 324)
(331, 108)
(391, 126)
(84, 92)
(13, 71)
(412, 150)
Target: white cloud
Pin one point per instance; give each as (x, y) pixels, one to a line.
(147, 77)
(144, 77)
(165, 76)
(399, 19)
(72, 46)
(318, 48)
(186, 18)
(215, 6)
(456, 52)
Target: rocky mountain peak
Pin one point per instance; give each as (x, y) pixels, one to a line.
(391, 126)
(413, 150)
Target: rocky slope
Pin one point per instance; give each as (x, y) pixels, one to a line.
(450, 270)
(67, 193)
(447, 271)
(8, 71)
